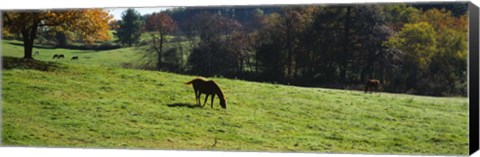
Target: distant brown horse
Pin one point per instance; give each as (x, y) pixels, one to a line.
(208, 87)
(372, 85)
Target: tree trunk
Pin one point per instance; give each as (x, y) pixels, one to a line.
(289, 50)
(343, 70)
(160, 53)
(256, 62)
(29, 35)
(27, 47)
(241, 65)
(369, 69)
(295, 69)
(248, 62)
(61, 38)
(346, 43)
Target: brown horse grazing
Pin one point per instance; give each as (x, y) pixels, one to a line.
(209, 87)
(372, 85)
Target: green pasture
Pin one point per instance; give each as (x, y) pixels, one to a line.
(110, 58)
(93, 102)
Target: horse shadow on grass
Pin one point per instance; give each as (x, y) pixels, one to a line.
(187, 105)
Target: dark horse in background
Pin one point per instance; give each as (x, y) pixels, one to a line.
(372, 85)
(208, 87)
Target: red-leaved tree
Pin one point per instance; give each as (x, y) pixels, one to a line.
(161, 25)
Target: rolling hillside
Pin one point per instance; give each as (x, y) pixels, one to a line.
(95, 103)
(109, 58)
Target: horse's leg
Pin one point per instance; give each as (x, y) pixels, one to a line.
(196, 100)
(206, 98)
(211, 104)
(197, 97)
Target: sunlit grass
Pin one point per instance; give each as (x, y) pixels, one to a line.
(95, 103)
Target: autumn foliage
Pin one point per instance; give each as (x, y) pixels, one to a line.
(93, 25)
(89, 25)
(159, 25)
(417, 49)
(414, 49)
(160, 22)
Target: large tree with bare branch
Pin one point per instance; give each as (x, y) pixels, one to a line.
(161, 24)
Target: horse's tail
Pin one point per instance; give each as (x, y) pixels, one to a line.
(189, 82)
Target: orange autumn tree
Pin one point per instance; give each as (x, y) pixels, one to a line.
(93, 26)
(89, 25)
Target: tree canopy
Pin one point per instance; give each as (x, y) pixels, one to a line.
(159, 25)
(130, 27)
(410, 48)
(89, 24)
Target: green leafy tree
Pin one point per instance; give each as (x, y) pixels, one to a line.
(130, 28)
(344, 44)
(281, 37)
(449, 63)
(213, 55)
(418, 43)
(396, 15)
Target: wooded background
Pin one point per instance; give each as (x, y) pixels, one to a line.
(410, 48)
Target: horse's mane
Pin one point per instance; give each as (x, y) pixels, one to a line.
(198, 78)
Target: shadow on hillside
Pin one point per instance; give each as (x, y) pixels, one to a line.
(184, 105)
(34, 46)
(20, 63)
(95, 47)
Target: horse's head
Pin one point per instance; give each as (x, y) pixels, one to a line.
(223, 103)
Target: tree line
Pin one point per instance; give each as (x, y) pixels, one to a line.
(410, 48)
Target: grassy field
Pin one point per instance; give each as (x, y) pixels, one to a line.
(95, 103)
(109, 58)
